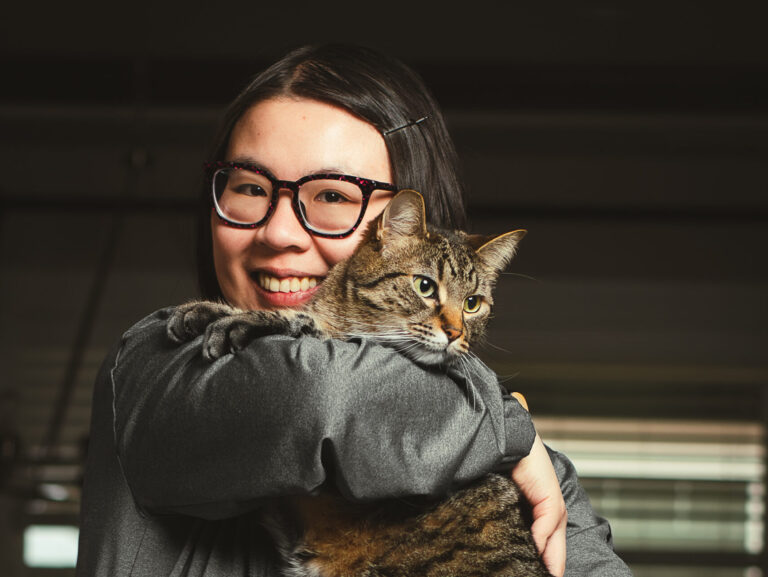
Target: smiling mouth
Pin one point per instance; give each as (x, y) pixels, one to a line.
(291, 284)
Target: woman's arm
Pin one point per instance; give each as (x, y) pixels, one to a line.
(278, 417)
(564, 520)
(536, 477)
(588, 536)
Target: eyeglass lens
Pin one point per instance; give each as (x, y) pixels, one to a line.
(327, 205)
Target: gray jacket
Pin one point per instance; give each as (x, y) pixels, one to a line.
(182, 452)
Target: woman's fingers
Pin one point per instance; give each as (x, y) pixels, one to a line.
(521, 399)
(538, 482)
(549, 535)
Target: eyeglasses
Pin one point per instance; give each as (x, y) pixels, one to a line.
(326, 205)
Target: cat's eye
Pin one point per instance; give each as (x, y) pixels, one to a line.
(425, 287)
(472, 304)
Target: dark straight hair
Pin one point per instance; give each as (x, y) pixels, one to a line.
(377, 89)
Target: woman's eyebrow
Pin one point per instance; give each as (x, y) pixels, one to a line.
(328, 170)
(256, 164)
(250, 162)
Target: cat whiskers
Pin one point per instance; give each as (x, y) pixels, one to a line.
(389, 337)
(462, 364)
(393, 335)
(498, 348)
(501, 378)
(401, 341)
(332, 319)
(506, 378)
(517, 274)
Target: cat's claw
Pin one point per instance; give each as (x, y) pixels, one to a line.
(189, 321)
(215, 344)
(227, 335)
(233, 333)
(228, 330)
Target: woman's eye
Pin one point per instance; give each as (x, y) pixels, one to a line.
(250, 190)
(472, 304)
(425, 287)
(331, 197)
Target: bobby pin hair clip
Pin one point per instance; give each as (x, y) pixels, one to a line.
(406, 125)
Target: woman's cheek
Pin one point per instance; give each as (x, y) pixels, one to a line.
(336, 250)
(229, 245)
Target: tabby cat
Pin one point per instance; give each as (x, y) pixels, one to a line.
(434, 288)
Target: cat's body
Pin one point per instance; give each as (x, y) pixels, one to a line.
(427, 293)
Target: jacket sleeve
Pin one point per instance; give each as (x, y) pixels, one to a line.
(589, 544)
(281, 416)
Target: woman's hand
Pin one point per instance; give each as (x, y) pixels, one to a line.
(537, 480)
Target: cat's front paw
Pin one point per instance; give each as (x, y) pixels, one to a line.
(235, 332)
(191, 319)
(228, 335)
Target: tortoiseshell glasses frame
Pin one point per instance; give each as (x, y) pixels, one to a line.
(251, 199)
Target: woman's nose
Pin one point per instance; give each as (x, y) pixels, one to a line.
(283, 231)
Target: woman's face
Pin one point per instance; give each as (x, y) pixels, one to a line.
(292, 138)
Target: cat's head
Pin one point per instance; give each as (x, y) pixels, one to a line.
(424, 290)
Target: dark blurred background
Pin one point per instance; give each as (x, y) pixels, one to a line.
(629, 138)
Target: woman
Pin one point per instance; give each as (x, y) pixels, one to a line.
(183, 452)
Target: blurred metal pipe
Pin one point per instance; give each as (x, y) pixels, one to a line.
(82, 336)
(137, 162)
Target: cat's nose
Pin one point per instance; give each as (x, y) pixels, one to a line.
(451, 332)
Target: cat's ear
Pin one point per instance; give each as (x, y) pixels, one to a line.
(403, 216)
(498, 251)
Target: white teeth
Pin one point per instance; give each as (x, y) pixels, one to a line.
(286, 285)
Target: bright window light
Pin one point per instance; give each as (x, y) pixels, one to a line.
(50, 546)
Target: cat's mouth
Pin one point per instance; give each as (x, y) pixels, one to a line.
(287, 284)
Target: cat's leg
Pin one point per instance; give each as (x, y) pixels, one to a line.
(191, 319)
(234, 332)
